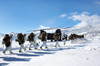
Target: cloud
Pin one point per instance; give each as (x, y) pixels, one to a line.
(85, 19)
(98, 2)
(74, 13)
(43, 27)
(63, 15)
(50, 21)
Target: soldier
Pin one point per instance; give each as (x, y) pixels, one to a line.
(56, 38)
(21, 39)
(7, 42)
(43, 39)
(31, 39)
(64, 38)
(58, 31)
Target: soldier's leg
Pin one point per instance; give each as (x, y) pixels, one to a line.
(30, 45)
(45, 44)
(23, 47)
(58, 44)
(10, 49)
(64, 41)
(34, 44)
(42, 45)
(5, 50)
(20, 48)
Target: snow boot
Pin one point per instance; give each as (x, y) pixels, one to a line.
(35, 48)
(46, 47)
(4, 52)
(24, 49)
(55, 46)
(11, 52)
(20, 51)
(30, 49)
(40, 47)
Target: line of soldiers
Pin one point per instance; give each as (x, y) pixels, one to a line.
(31, 38)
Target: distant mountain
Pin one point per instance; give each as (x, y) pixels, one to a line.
(90, 31)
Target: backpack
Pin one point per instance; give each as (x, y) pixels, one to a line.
(3, 42)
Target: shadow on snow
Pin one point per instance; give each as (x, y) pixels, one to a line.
(41, 53)
(67, 48)
(3, 64)
(36, 54)
(15, 59)
(27, 55)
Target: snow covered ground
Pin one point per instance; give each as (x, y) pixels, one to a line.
(84, 53)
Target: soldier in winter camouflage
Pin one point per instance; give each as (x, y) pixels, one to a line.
(43, 39)
(31, 39)
(21, 39)
(7, 42)
(64, 38)
(56, 38)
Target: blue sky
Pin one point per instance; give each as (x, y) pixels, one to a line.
(24, 15)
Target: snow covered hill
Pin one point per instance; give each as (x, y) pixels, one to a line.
(91, 32)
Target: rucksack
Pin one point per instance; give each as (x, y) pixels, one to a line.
(3, 42)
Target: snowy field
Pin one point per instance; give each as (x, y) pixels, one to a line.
(78, 53)
(84, 53)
